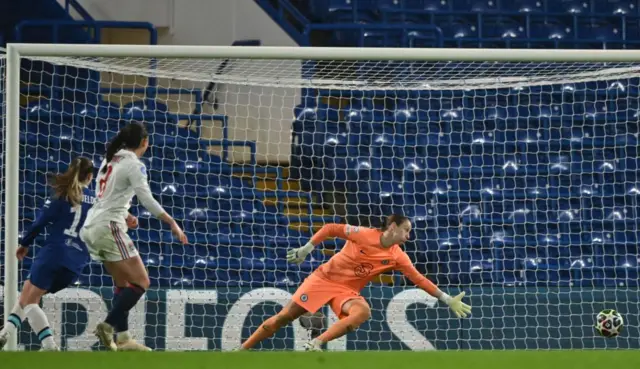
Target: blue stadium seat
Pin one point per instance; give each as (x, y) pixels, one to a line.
(153, 113)
(550, 30)
(481, 266)
(46, 110)
(616, 7)
(459, 31)
(569, 6)
(479, 6)
(331, 8)
(433, 5)
(523, 6)
(91, 140)
(502, 28)
(600, 33)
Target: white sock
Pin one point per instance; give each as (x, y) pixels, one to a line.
(40, 325)
(14, 321)
(122, 337)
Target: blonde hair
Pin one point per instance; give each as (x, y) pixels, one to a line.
(69, 185)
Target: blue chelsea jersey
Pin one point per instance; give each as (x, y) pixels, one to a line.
(63, 222)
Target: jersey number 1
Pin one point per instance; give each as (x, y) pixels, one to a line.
(73, 230)
(103, 181)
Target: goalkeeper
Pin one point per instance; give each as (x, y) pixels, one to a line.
(338, 282)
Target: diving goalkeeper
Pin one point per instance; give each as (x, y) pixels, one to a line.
(338, 282)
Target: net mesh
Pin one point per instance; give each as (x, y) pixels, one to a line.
(520, 180)
(363, 75)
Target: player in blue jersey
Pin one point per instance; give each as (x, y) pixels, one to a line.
(63, 256)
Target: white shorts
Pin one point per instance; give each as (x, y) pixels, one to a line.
(108, 242)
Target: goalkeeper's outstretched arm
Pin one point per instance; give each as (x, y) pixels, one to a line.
(455, 303)
(343, 231)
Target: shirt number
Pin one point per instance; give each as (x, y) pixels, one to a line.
(103, 182)
(73, 230)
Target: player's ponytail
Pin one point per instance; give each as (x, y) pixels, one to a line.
(129, 137)
(113, 147)
(69, 185)
(396, 219)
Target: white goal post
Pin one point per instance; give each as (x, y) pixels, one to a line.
(361, 69)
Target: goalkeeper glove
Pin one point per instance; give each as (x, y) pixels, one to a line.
(298, 255)
(456, 305)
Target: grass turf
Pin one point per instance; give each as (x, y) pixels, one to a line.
(330, 360)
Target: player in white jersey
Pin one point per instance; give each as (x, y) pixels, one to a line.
(122, 175)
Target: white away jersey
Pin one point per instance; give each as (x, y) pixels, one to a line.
(125, 177)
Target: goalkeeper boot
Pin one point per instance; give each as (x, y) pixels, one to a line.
(313, 345)
(3, 340)
(131, 345)
(104, 332)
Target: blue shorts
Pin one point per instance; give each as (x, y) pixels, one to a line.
(51, 277)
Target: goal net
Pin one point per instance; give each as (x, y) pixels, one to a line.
(519, 179)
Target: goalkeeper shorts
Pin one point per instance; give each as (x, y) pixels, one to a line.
(315, 292)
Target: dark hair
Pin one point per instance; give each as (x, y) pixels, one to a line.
(129, 137)
(396, 219)
(68, 185)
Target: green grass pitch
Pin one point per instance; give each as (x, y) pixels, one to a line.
(331, 360)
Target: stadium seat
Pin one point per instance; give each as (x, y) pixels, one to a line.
(481, 266)
(479, 6)
(151, 112)
(523, 6)
(433, 5)
(616, 7)
(569, 7)
(600, 32)
(46, 110)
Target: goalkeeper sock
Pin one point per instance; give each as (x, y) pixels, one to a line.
(14, 321)
(40, 324)
(126, 300)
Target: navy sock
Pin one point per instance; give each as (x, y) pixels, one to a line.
(125, 301)
(122, 322)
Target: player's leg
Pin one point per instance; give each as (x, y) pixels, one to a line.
(270, 326)
(32, 294)
(312, 294)
(42, 278)
(137, 282)
(352, 311)
(14, 322)
(121, 326)
(111, 245)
